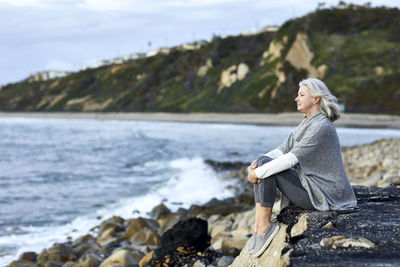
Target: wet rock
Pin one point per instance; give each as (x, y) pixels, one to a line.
(122, 257)
(167, 221)
(190, 232)
(143, 262)
(28, 256)
(138, 224)
(21, 263)
(186, 239)
(146, 236)
(159, 211)
(57, 253)
(54, 264)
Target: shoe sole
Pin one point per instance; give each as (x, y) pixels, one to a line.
(266, 244)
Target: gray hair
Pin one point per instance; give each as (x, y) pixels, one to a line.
(328, 104)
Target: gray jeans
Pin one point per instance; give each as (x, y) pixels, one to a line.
(288, 183)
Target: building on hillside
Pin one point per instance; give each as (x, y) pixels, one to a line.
(47, 75)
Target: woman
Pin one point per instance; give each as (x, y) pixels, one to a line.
(307, 168)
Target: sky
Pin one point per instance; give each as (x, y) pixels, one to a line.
(38, 35)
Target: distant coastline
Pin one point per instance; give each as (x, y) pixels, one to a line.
(279, 119)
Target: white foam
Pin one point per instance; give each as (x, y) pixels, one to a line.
(193, 182)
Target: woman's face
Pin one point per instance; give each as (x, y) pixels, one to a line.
(306, 103)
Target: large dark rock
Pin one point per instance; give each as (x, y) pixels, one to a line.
(376, 219)
(187, 238)
(190, 232)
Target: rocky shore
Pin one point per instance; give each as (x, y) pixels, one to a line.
(214, 234)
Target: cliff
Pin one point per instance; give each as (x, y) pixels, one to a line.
(355, 50)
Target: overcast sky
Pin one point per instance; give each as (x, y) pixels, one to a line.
(38, 35)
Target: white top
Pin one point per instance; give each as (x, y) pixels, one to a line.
(279, 163)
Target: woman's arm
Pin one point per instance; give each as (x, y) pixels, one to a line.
(277, 165)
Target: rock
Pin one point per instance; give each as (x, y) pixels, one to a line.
(143, 262)
(342, 241)
(184, 239)
(242, 71)
(159, 210)
(166, 222)
(300, 226)
(138, 224)
(109, 227)
(85, 239)
(20, 263)
(300, 55)
(376, 164)
(228, 77)
(106, 235)
(190, 232)
(28, 256)
(54, 264)
(225, 261)
(146, 236)
(91, 260)
(329, 225)
(198, 263)
(270, 257)
(375, 224)
(204, 69)
(57, 253)
(122, 257)
(80, 249)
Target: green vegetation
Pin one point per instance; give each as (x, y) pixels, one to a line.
(360, 46)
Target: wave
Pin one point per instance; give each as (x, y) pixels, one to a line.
(191, 181)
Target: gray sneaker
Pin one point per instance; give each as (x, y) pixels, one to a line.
(252, 244)
(263, 241)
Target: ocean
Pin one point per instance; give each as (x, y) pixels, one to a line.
(61, 177)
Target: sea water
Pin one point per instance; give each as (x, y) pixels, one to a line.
(61, 177)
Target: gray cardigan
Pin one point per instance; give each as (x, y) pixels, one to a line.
(316, 145)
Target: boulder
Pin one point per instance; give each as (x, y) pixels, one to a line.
(365, 236)
(21, 263)
(159, 211)
(57, 253)
(270, 257)
(122, 257)
(146, 236)
(143, 262)
(54, 264)
(186, 238)
(138, 224)
(167, 221)
(28, 256)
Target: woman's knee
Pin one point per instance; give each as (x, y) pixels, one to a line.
(263, 159)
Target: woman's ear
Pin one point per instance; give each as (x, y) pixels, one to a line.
(317, 100)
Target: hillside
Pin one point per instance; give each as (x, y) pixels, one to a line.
(355, 50)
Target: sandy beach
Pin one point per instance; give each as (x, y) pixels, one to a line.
(279, 119)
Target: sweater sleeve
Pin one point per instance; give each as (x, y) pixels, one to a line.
(287, 145)
(277, 165)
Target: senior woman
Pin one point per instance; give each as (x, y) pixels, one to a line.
(307, 168)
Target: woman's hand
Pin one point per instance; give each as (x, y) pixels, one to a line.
(252, 177)
(253, 165)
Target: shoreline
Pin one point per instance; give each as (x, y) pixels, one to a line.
(356, 120)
